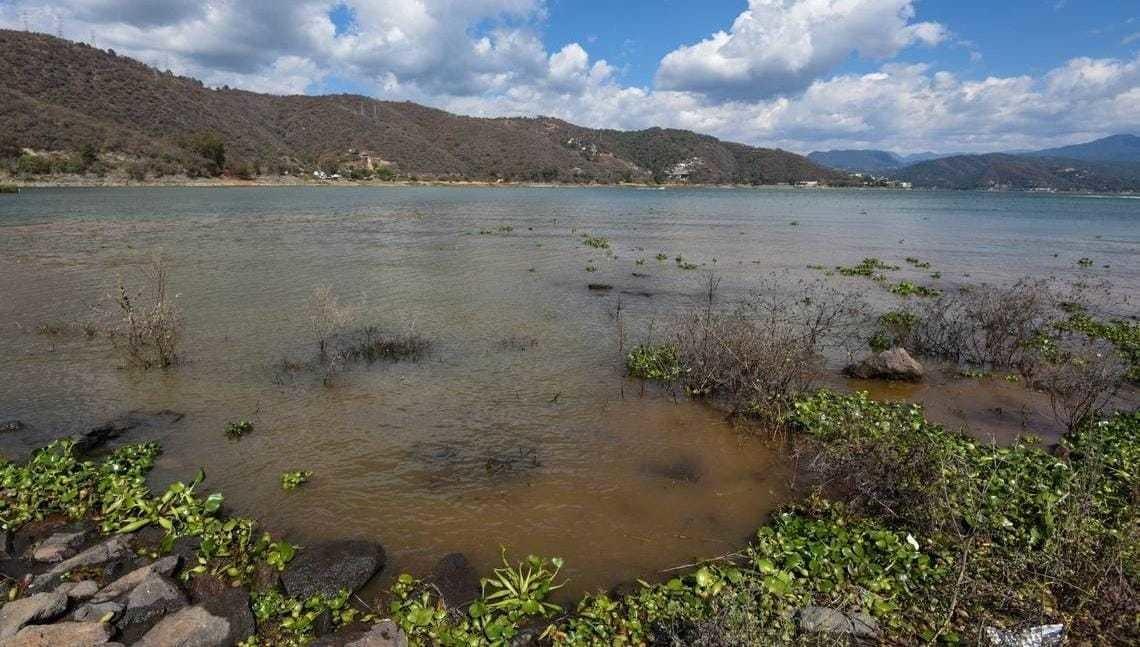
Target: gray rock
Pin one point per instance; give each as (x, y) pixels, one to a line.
(155, 596)
(864, 625)
(59, 546)
(824, 619)
(383, 634)
(328, 567)
(114, 548)
(72, 634)
(893, 364)
(83, 590)
(126, 583)
(97, 612)
(456, 580)
(232, 605)
(190, 627)
(18, 440)
(42, 607)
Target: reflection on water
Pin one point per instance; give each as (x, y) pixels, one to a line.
(518, 429)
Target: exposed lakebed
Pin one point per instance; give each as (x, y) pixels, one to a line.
(517, 429)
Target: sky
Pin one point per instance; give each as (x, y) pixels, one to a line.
(803, 75)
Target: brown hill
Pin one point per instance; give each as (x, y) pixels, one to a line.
(69, 97)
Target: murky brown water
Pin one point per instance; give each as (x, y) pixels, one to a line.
(546, 449)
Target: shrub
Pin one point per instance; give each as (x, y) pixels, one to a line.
(150, 324)
(371, 345)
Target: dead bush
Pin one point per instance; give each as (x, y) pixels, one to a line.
(149, 325)
(1080, 375)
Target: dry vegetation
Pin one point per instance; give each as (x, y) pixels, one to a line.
(149, 326)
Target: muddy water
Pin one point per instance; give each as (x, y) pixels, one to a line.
(539, 446)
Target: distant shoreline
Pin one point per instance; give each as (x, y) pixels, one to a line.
(293, 181)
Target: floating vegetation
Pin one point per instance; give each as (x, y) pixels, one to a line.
(917, 263)
(1124, 335)
(501, 229)
(517, 342)
(597, 242)
(662, 256)
(867, 267)
(591, 268)
(658, 363)
(1085, 262)
(295, 479)
(238, 429)
(685, 265)
(908, 289)
(936, 275)
(640, 261)
(794, 223)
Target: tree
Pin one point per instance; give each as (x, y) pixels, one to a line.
(209, 146)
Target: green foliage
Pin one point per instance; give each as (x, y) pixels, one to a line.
(660, 363)
(210, 147)
(597, 242)
(662, 256)
(908, 289)
(114, 493)
(1085, 262)
(1124, 335)
(295, 479)
(291, 622)
(867, 267)
(894, 329)
(917, 263)
(238, 429)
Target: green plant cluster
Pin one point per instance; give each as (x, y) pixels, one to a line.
(656, 362)
(291, 622)
(908, 289)
(294, 479)
(895, 327)
(1124, 335)
(597, 242)
(868, 267)
(113, 493)
(238, 429)
(922, 265)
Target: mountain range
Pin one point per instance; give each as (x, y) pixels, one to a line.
(60, 96)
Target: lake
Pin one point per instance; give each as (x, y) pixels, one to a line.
(519, 428)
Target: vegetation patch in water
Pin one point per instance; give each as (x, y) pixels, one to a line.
(294, 479)
(597, 242)
(371, 345)
(658, 363)
(908, 289)
(867, 267)
(238, 429)
(1124, 335)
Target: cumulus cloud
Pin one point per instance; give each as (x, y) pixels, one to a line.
(780, 46)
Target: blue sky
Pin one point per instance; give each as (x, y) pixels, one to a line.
(904, 75)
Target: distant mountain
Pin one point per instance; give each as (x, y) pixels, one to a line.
(96, 110)
(857, 160)
(1117, 148)
(1004, 171)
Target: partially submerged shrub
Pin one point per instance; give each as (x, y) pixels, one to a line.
(658, 363)
(1080, 376)
(150, 324)
(371, 345)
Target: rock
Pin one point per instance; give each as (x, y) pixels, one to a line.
(59, 546)
(893, 364)
(225, 601)
(384, 634)
(18, 440)
(115, 548)
(41, 607)
(154, 597)
(456, 580)
(97, 612)
(72, 634)
(97, 437)
(83, 590)
(328, 567)
(126, 583)
(190, 627)
(599, 287)
(6, 551)
(12, 426)
(826, 620)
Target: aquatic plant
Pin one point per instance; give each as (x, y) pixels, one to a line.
(284, 621)
(640, 261)
(1085, 262)
(908, 289)
(867, 267)
(597, 242)
(370, 344)
(1124, 335)
(591, 268)
(922, 265)
(662, 256)
(238, 429)
(294, 479)
(659, 363)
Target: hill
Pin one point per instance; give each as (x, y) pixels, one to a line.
(1117, 148)
(867, 161)
(1004, 171)
(94, 111)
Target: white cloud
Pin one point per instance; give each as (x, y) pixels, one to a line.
(780, 46)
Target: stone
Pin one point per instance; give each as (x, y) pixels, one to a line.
(232, 605)
(83, 590)
(97, 612)
(456, 580)
(126, 583)
(38, 608)
(115, 548)
(97, 437)
(328, 567)
(383, 634)
(72, 634)
(864, 625)
(190, 627)
(155, 596)
(824, 619)
(59, 546)
(18, 440)
(893, 364)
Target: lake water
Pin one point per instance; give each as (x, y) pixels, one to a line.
(518, 429)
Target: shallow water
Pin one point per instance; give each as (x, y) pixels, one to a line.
(545, 449)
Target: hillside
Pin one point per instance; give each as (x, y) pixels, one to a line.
(865, 161)
(1117, 148)
(100, 112)
(999, 170)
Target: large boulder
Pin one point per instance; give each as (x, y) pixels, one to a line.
(893, 364)
(59, 546)
(38, 608)
(328, 567)
(190, 627)
(226, 602)
(72, 634)
(456, 580)
(115, 548)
